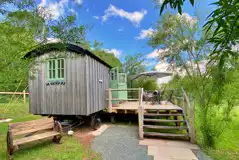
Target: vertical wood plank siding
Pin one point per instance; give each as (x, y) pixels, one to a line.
(98, 82)
(82, 93)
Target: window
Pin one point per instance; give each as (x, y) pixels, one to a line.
(55, 69)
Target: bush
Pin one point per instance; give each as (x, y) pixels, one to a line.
(147, 84)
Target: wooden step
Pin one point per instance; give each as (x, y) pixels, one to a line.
(162, 115)
(162, 120)
(35, 137)
(165, 134)
(165, 127)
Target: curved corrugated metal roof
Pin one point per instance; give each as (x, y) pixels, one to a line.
(42, 49)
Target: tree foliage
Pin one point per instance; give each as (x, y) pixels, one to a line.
(23, 29)
(105, 56)
(66, 30)
(134, 64)
(224, 21)
(175, 35)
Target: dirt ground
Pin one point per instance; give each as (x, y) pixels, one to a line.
(84, 135)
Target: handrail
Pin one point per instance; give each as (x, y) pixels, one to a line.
(141, 113)
(110, 99)
(121, 99)
(190, 115)
(127, 89)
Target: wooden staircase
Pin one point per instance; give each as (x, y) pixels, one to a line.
(165, 124)
(173, 118)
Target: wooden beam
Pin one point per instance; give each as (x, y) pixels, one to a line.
(109, 100)
(24, 96)
(127, 89)
(190, 107)
(21, 93)
(141, 114)
(118, 99)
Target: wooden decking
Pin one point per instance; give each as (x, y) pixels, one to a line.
(169, 120)
(132, 107)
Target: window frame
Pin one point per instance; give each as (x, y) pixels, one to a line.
(56, 69)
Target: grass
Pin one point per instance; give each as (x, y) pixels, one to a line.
(70, 149)
(227, 144)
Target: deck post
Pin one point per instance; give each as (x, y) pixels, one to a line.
(192, 122)
(140, 114)
(24, 96)
(190, 108)
(110, 101)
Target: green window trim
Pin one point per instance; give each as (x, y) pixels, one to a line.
(56, 69)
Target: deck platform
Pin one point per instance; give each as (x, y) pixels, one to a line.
(132, 107)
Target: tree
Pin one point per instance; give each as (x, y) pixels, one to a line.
(134, 64)
(224, 21)
(105, 56)
(18, 4)
(66, 29)
(175, 37)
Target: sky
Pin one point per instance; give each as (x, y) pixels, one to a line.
(122, 25)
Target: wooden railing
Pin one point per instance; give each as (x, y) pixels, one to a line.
(24, 93)
(141, 114)
(187, 105)
(110, 98)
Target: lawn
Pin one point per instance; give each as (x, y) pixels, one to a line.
(70, 149)
(227, 144)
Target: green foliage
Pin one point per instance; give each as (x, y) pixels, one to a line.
(102, 54)
(133, 64)
(224, 21)
(175, 4)
(15, 41)
(67, 30)
(177, 35)
(16, 3)
(108, 58)
(148, 84)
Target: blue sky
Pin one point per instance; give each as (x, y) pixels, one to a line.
(118, 23)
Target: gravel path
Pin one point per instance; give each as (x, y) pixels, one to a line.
(120, 142)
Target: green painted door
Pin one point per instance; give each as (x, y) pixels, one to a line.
(122, 84)
(114, 83)
(118, 81)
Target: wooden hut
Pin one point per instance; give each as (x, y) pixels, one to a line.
(67, 80)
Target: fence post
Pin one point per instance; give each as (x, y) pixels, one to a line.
(141, 114)
(190, 107)
(24, 96)
(110, 100)
(192, 122)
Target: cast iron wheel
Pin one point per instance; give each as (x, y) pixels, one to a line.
(95, 122)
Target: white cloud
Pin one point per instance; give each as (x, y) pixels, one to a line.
(43, 3)
(114, 51)
(120, 29)
(53, 10)
(78, 2)
(134, 17)
(160, 1)
(96, 17)
(189, 19)
(235, 47)
(156, 53)
(145, 33)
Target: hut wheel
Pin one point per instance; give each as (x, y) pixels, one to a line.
(95, 122)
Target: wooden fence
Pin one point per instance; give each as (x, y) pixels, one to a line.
(187, 105)
(110, 98)
(23, 93)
